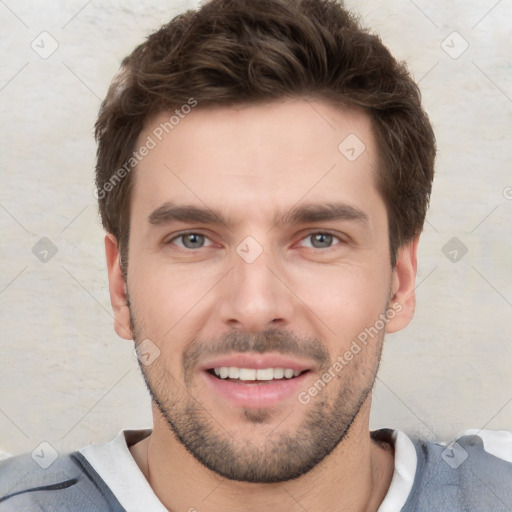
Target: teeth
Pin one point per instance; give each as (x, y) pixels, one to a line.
(266, 374)
(247, 374)
(278, 373)
(251, 374)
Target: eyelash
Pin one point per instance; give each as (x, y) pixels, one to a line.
(181, 235)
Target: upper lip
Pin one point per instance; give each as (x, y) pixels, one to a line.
(256, 361)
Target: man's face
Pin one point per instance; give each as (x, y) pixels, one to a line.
(259, 249)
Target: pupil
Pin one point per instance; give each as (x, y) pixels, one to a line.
(322, 240)
(192, 241)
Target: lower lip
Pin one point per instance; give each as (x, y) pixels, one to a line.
(266, 394)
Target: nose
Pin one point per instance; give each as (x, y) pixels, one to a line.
(255, 295)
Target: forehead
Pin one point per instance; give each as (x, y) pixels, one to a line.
(259, 158)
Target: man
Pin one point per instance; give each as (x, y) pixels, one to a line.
(264, 169)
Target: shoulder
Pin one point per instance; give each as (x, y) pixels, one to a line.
(69, 483)
(473, 472)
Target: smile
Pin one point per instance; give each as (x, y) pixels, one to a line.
(252, 374)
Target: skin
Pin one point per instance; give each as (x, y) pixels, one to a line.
(251, 163)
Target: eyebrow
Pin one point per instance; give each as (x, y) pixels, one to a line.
(309, 213)
(302, 214)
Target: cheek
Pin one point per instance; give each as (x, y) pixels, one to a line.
(346, 299)
(168, 299)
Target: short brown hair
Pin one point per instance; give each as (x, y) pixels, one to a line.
(248, 51)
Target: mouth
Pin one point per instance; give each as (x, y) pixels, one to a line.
(255, 380)
(253, 375)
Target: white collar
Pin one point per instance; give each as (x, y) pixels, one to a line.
(406, 462)
(114, 463)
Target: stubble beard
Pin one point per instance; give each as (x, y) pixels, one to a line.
(285, 455)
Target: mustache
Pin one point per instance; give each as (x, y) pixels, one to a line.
(270, 340)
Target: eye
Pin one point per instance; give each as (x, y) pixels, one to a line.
(319, 240)
(191, 240)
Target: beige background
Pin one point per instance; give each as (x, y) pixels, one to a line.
(65, 377)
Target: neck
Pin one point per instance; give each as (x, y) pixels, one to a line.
(354, 477)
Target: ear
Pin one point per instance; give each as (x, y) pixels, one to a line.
(117, 289)
(403, 299)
